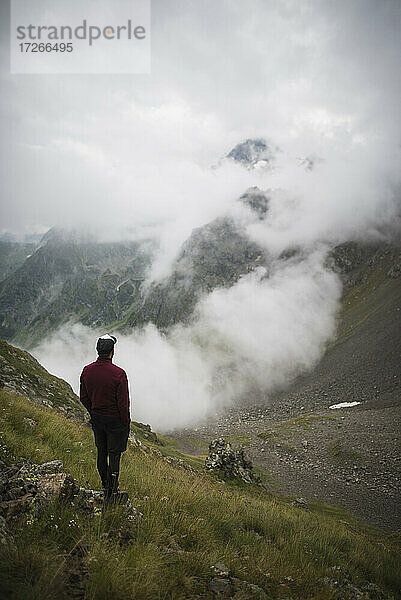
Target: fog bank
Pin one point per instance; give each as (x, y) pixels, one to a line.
(259, 333)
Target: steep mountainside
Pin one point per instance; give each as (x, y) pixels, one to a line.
(363, 363)
(96, 284)
(215, 255)
(68, 278)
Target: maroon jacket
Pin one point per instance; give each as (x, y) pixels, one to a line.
(104, 389)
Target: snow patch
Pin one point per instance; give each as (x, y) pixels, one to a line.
(344, 405)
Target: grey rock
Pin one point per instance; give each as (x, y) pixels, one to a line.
(225, 586)
(253, 153)
(180, 462)
(50, 467)
(248, 591)
(257, 201)
(57, 485)
(229, 463)
(221, 586)
(343, 587)
(30, 487)
(147, 433)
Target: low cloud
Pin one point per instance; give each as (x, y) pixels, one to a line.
(258, 334)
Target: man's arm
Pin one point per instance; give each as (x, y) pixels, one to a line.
(123, 399)
(83, 394)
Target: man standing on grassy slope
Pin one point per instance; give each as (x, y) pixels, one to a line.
(104, 393)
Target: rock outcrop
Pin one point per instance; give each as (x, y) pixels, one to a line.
(215, 255)
(228, 462)
(28, 487)
(254, 153)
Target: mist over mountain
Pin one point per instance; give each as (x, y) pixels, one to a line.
(249, 301)
(206, 199)
(233, 218)
(67, 277)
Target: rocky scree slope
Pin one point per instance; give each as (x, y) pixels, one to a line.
(363, 363)
(349, 456)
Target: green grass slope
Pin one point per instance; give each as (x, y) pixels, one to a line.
(21, 372)
(191, 520)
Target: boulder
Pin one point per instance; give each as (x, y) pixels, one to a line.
(30, 487)
(50, 467)
(221, 583)
(147, 433)
(222, 587)
(60, 485)
(229, 463)
(220, 570)
(243, 590)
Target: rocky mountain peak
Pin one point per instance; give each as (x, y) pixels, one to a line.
(253, 153)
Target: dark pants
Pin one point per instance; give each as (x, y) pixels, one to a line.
(111, 436)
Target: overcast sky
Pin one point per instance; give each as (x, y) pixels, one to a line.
(317, 77)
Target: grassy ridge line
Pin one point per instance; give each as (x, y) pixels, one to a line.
(22, 373)
(190, 522)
